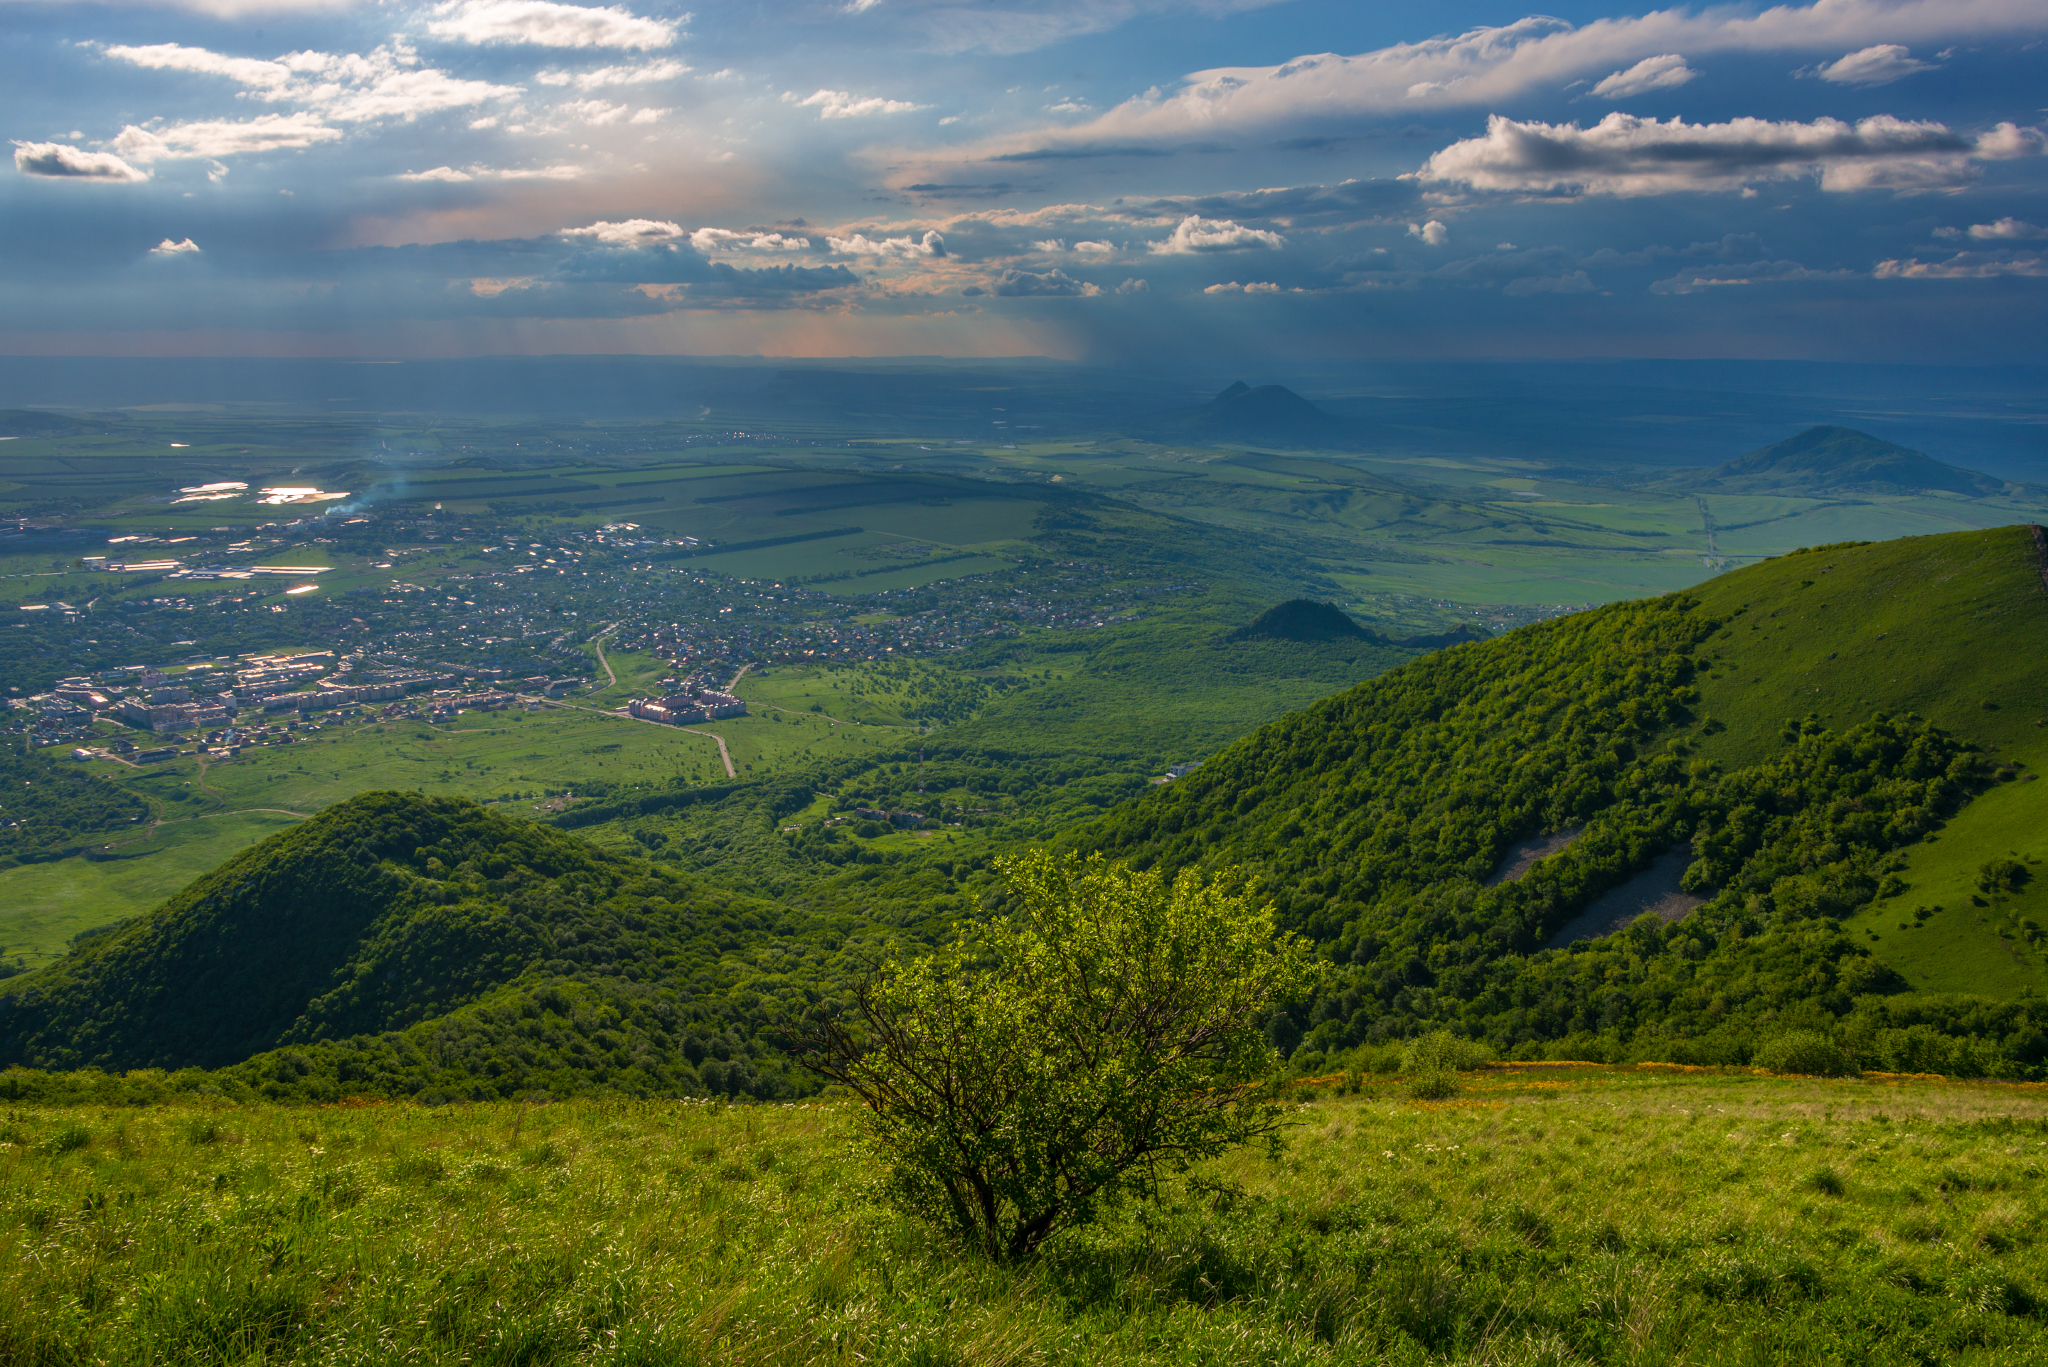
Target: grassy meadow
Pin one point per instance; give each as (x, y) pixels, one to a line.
(1561, 1214)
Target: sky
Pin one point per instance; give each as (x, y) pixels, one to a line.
(1135, 182)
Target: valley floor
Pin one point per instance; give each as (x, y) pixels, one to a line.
(1553, 1214)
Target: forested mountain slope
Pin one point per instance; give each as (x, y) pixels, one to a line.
(389, 910)
(1375, 818)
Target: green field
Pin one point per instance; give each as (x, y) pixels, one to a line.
(1545, 1215)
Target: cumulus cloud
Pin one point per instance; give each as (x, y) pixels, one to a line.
(859, 244)
(2009, 141)
(596, 112)
(388, 83)
(838, 104)
(604, 77)
(1626, 155)
(2008, 228)
(59, 162)
(630, 232)
(1432, 232)
(541, 23)
(1699, 279)
(1879, 65)
(1043, 284)
(1666, 71)
(709, 240)
(1134, 286)
(1962, 266)
(1195, 234)
(182, 247)
(214, 138)
(442, 173)
(1095, 248)
(1255, 287)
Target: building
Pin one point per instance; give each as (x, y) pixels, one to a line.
(694, 705)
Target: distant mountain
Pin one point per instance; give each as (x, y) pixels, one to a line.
(1270, 413)
(1841, 458)
(1305, 619)
(28, 422)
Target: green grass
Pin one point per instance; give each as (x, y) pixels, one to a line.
(46, 904)
(1562, 1215)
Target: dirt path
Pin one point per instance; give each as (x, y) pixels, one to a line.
(723, 753)
(612, 679)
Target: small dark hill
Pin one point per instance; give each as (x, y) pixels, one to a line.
(1309, 621)
(1270, 413)
(1304, 619)
(380, 912)
(1843, 459)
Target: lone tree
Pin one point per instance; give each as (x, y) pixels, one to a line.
(1110, 1032)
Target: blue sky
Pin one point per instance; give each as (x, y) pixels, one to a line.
(1121, 180)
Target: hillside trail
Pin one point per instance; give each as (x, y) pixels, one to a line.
(723, 753)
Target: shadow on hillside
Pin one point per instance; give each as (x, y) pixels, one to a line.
(1654, 889)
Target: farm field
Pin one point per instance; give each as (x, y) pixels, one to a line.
(1553, 1214)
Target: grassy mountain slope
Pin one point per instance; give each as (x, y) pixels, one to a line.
(1950, 627)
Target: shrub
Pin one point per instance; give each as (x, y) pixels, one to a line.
(1112, 1031)
(2002, 875)
(1435, 1060)
(1804, 1051)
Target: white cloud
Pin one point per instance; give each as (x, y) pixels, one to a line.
(542, 23)
(444, 173)
(708, 240)
(838, 104)
(1044, 285)
(1495, 65)
(1665, 71)
(1195, 234)
(1963, 266)
(1432, 232)
(214, 138)
(1134, 286)
(1698, 279)
(558, 172)
(632, 232)
(2009, 141)
(2009, 229)
(1625, 155)
(662, 69)
(593, 111)
(350, 88)
(1880, 65)
(249, 71)
(182, 247)
(58, 162)
(648, 115)
(1096, 248)
(1255, 287)
(859, 244)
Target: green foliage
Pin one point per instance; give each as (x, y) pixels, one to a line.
(1111, 1032)
(2003, 875)
(1804, 1051)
